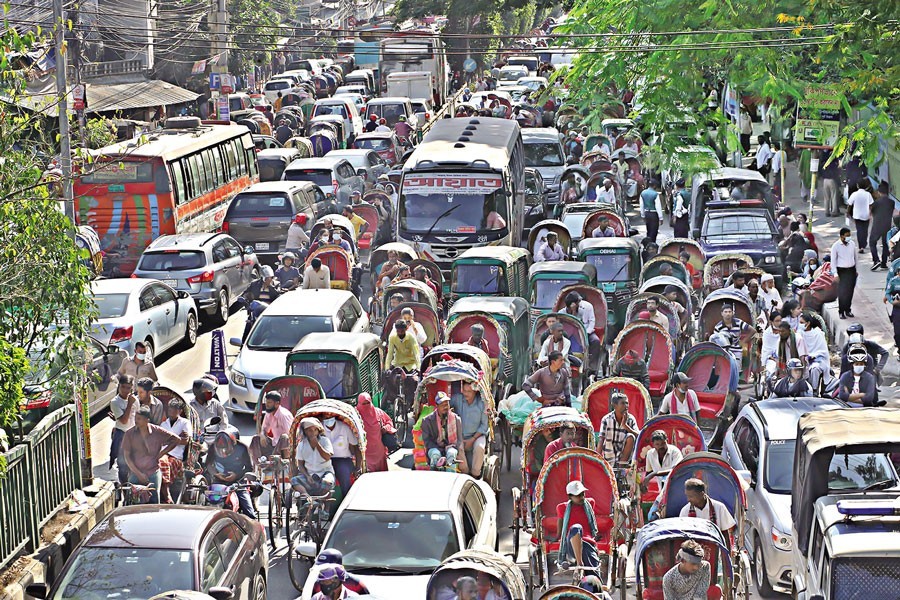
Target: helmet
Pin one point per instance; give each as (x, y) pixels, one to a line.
(856, 338)
(332, 572)
(289, 255)
(203, 385)
(330, 556)
(795, 363)
(857, 353)
(300, 219)
(266, 271)
(403, 118)
(382, 121)
(225, 440)
(373, 117)
(855, 328)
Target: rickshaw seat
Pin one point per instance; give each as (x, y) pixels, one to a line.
(652, 491)
(365, 241)
(658, 381)
(575, 346)
(709, 406)
(714, 592)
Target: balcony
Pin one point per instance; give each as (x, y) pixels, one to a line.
(113, 67)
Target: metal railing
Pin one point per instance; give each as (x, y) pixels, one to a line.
(448, 108)
(41, 472)
(112, 67)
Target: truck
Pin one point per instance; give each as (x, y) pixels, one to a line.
(414, 84)
(416, 51)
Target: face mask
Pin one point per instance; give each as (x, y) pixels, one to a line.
(329, 587)
(329, 422)
(140, 355)
(858, 369)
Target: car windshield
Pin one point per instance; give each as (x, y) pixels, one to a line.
(271, 169)
(728, 229)
(477, 279)
(175, 260)
(134, 573)
(611, 267)
(546, 291)
(260, 205)
(512, 74)
(545, 154)
(281, 84)
(320, 177)
(337, 377)
(847, 472)
(414, 541)
(376, 144)
(111, 306)
(283, 332)
(389, 111)
(331, 109)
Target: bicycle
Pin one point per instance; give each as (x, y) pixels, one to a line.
(274, 470)
(404, 384)
(309, 526)
(131, 494)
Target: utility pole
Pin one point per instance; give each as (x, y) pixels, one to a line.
(62, 90)
(76, 64)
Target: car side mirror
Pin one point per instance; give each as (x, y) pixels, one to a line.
(632, 232)
(817, 597)
(182, 294)
(37, 590)
(221, 593)
(306, 549)
(112, 349)
(249, 250)
(235, 341)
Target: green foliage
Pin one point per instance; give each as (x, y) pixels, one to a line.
(99, 133)
(254, 24)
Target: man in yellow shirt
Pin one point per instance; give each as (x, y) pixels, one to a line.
(402, 360)
(359, 224)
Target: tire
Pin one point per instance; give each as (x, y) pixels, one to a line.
(190, 331)
(759, 572)
(150, 348)
(275, 513)
(260, 591)
(223, 304)
(400, 419)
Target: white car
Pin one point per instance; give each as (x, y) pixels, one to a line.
(143, 310)
(395, 527)
(278, 329)
(532, 83)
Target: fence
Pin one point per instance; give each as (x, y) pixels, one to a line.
(40, 474)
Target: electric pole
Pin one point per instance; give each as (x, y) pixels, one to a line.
(62, 104)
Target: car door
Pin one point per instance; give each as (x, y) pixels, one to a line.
(173, 325)
(244, 267)
(152, 319)
(747, 449)
(355, 182)
(475, 508)
(103, 365)
(362, 319)
(212, 565)
(239, 557)
(376, 165)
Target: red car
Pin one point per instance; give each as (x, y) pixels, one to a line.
(385, 143)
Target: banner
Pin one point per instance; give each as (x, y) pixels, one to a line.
(818, 117)
(437, 183)
(218, 361)
(199, 67)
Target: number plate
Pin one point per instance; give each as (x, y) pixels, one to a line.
(172, 283)
(262, 245)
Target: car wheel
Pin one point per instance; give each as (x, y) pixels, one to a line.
(223, 303)
(259, 588)
(759, 572)
(149, 344)
(190, 331)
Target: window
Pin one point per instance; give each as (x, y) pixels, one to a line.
(748, 446)
(148, 299)
(178, 182)
(816, 540)
(206, 157)
(163, 294)
(219, 252)
(231, 159)
(199, 173)
(232, 249)
(475, 503)
(212, 567)
(349, 317)
(190, 178)
(229, 541)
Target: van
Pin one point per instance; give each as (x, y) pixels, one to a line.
(344, 108)
(415, 84)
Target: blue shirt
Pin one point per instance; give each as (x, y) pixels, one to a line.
(473, 416)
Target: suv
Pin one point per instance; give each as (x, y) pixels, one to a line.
(544, 152)
(278, 329)
(748, 230)
(261, 215)
(761, 441)
(333, 176)
(212, 267)
(391, 109)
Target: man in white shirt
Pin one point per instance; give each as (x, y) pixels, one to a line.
(583, 309)
(843, 266)
(661, 458)
(777, 161)
(346, 451)
(681, 400)
(550, 249)
(171, 466)
(123, 408)
(701, 506)
(859, 208)
(763, 156)
(316, 276)
(606, 193)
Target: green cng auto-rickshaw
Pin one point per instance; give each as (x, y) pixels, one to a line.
(345, 364)
(490, 271)
(618, 264)
(545, 279)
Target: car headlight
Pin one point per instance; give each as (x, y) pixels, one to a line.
(782, 541)
(238, 378)
(770, 260)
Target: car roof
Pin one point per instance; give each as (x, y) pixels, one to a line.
(400, 491)
(740, 212)
(356, 344)
(120, 285)
(730, 173)
(271, 186)
(153, 526)
(865, 536)
(277, 153)
(349, 152)
(540, 134)
(182, 241)
(323, 162)
(779, 416)
(303, 303)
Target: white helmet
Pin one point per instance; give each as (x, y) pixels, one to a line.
(266, 272)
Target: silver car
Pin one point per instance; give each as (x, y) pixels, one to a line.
(366, 162)
(333, 175)
(143, 310)
(212, 267)
(761, 441)
(544, 152)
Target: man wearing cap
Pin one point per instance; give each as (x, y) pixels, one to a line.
(858, 386)
(330, 583)
(552, 381)
(275, 430)
(550, 249)
(263, 289)
(316, 276)
(360, 225)
(701, 506)
(681, 400)
(769, 292)
(606, 193)
(297, 238)
(618, 431)
(287, 275)
(793, 385)
(142, 447)
(469, 405)
(681, 212)
(631, 365)
(442, 436)
(576, 523)
(603, 229)
(661, 459)
(556, 341)
(735, 328)
(315, 471)
(476, 338)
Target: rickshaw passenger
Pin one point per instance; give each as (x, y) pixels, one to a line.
(420, 273)
(690, 578)
(347, 456)
(670, 293)
(793, 385)
(315, 471)
(395, 301)
(662, 458)
(577, 527)
(735, 328)
(618, 431)
(275, 430)
(559, 342)
(685, 259)
(476, 338)
(655, 315)
(413, 327)
(770, 342)
(603, 229)
(566, 439)
(739, 284)
(391, 267)
(681, 400)
(701, 506)
(552, 381)
(632, 366)
(469, 405)
(768, 290)
(606, 194)
(442, 436)
(550, 249)
(818, 357)
(578, 307)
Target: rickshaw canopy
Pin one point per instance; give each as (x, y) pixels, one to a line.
(594, 296)
(722, 483)
(654, 345)
(719, 267)
(653, 267)
(711, 311)
(538, 235)
(681, 431)
(498, 567)
(463, 352)
(327, 408)
(510, 307)
(714, 374)
(296, 391)
(597, 397)
(449, 372)
(615, 221)
(658, 284)
(423, 314)
(572, 326)
(407, 287)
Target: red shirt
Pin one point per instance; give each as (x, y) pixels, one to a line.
(576, 517)
(552, 448)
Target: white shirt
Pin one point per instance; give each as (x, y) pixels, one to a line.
(418, 333)
(672, 457)
(776, 161)
(861, 202)
(547, 252)
(382, 128)
(606, 195)
(843, 256)
(771, 296)
(312, 460)
(341, 438)
(724, 520)
(180, 426)
(316, 280)
(117, 405)
(770, 341)
(763, 155)
(816, 346)
(586, 314)
(673, 406)
(296, 236)
(546, 349)
(746, 124)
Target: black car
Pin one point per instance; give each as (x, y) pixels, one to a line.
(748, 230)
(142, 551)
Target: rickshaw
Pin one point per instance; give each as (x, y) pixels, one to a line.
(462, 352)
(424, 315)
(572, 186)
(506, 331)
(682, 432)
(434, 273)
(345, 364)
(88, 242)
(504, 576)
(697, 258)
(720, 267)
(413, 292)
(579, 346)
(370, 214)
(598, 142)
(654, 345)
(714, 374)
(658, 544)
(538, 235)
(324, 135)
(597, 398)
(348, 231)
(635, 173)
(294, 119)
(656, 265)
(528, 116)
(711, 314)
(550, 491)
(618, 265)
(568, 592)
(379, 256)
(600, 171)
(616, 221)
(639, 303)
(539, 429)
(567, 114)
(597, 299)
(447, 376)
(340, 264)
(591, 156)
(302, 145)
(490, 271)
(749, 274)
(546, 279)
(658, 285)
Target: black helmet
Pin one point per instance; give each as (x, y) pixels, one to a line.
(855, 328)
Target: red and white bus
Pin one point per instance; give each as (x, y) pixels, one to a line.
(178, 179)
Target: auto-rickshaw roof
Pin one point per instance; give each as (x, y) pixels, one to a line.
(507, 254)
(357, 345)
(563, 267)
(485, 560)
(618, 243)
(507, 306)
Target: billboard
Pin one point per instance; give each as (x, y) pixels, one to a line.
(818, 116)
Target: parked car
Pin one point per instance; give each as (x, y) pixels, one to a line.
(145, 551)
(212, 267)
(544, 152)
(259, 217)
(367, 163)
(278, 329)
(333, 176)
(393, 536)
(751, 231)
(143, 310)
(275, 85)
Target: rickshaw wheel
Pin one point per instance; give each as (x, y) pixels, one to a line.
(506, 443)
(623, 585)
(530, 583)
(516, 522)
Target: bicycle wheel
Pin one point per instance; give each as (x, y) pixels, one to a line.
(398, 410)
(298, 566)
(276, 501)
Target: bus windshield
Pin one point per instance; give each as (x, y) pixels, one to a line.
(453, 204)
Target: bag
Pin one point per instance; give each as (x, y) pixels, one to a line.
(389, 440)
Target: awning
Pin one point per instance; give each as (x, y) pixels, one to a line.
(110, 98)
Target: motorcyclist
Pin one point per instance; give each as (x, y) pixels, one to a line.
(330, 556)
(297, 238)
(372, 123)
(263, 289)
(228, 463)
(287, 277)
(794, 384)
(403, 130)
(878, 356)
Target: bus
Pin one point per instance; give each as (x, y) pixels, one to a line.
(463, 186)
(179, 180)
(416, 50)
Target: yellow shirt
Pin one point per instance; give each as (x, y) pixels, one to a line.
(402, 353)
(357, 222)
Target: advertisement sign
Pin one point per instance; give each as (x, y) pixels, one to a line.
(438, 183)
(78, 95)
(227, 85)
(818, 117)
(224, 108)
(217, 358)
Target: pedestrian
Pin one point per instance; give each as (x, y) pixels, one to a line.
(777, 163)
(859, 208)
(843, 266)
(682, 210)
(651, 210)
(746, 130)
(803, 170)
(763, 156)
(142, 447)
(381, 435)
(278, 102)
(122, 407)
(145, 398)
(140, 364)
(882, 216)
